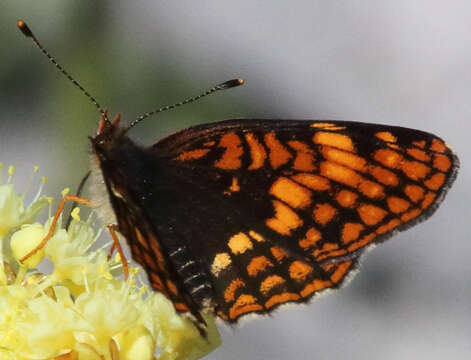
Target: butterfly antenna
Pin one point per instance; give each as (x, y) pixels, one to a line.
(223, 86)
(29, 34)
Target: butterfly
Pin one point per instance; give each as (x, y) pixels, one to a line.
(241, 216)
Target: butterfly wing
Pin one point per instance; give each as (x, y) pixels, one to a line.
(280, 210)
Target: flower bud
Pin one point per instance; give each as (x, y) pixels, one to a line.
(26, 240)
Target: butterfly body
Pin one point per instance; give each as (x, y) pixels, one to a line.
(241, 216)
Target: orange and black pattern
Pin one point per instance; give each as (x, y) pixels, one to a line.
(241, 216)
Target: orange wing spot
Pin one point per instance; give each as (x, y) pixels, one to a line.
(418, 154)
(235, 185)
(322, 125)
(351, 178)
(315, 286)
(388, 158)
(370, 214)
(281, 299)
(141, 239)
(323, 213)
(397, 205)
(329, 266)
(414, 192)
(436, 181)
(340, 272)
(285, 219)
(415, 170)
(257, 265)
(229, 293)
(256, 236)
(420, 144)
(328, 247)
(221, 261)
(172, 287)
(371, 189)
(209, 143)
(299, 270)
(313, 182)
(149, 260)
(428, 200)
(365, 240)
(245, 304)
(304, 160)
(386, 136)
(340, 174)
(192, 155)
(346, 198)
(270, 282)
(257, 152)
(330, 254)
(156, 281)
(438, 146)
(351, 232)
(179, 306)
(240, 243)
(230, 160)
(411, 214)
(384, 176)
(344, 158)
(291, 193)
(155, 246)
(441, 162)
(278, 153)
(311, 238)
(388, 226)
(335, 140)
(278, 253)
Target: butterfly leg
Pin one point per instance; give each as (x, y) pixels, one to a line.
(52, 228)
(116, 245)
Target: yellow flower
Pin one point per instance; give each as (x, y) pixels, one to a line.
(83, 309)
(25, 240)
(12, 209)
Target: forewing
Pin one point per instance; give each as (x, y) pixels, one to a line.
(317, 192)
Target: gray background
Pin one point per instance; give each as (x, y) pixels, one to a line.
(391, 62)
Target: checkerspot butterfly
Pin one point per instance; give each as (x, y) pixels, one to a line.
(241, 216)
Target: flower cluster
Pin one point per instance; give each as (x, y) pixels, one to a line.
(83, 308)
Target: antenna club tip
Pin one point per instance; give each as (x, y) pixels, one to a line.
(24, 28)
(231, 83)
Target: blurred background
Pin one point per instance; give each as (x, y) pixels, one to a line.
(392, 62)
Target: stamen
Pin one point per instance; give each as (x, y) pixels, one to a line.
(11, 172)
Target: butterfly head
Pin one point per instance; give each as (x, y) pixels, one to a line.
(109, 133)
